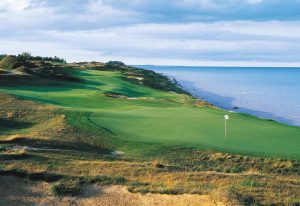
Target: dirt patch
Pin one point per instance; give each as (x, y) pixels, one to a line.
(135, 77)
(120, 96)
(16, 191)
(117, 153)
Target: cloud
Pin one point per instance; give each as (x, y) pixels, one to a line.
(139, 31)
(14, 5)
(219, 41)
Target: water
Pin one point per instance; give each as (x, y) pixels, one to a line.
(271, 93)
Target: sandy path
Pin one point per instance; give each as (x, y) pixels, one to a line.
(16, 191)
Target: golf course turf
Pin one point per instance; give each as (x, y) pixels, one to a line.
(130, 112)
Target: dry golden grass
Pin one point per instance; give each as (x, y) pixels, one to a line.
(222, 187)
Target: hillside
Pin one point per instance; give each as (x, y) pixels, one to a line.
(110, 124)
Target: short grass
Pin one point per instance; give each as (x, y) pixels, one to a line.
(153, 116)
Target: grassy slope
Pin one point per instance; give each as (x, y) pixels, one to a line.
(159, 117)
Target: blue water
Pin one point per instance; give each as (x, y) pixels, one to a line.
(271, 93)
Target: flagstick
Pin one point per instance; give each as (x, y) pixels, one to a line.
(226, 117)
(225, 130)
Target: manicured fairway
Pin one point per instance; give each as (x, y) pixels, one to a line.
(160, 117)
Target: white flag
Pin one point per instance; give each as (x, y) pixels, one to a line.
(226, 117)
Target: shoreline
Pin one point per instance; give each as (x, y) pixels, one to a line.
(234, 109)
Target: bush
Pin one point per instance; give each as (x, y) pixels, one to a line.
(107, 180)
(24, 56)
(116, 63)
(67, 187)
(236, 169)
(2, 56)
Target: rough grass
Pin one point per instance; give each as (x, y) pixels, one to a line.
(10, 62)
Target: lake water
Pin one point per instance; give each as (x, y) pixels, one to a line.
(272, 93)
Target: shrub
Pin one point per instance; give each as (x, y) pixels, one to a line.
(236, 169)
(67, 187)
(2, 56)
(107, 180)
(116, 63)
(24, 56)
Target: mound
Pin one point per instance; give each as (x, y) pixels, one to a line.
(10, 62)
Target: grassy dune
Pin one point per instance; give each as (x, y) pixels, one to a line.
(150, 115)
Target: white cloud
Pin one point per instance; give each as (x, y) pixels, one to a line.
(102, 30)
(98, 11)
(14, 5)
(140, 44)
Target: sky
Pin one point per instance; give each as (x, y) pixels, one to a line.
(157, 32)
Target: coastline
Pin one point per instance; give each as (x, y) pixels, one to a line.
(263, 115)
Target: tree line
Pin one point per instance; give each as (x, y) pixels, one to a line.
(25, 56)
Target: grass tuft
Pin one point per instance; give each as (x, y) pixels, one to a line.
(108, 180)
(67, 187)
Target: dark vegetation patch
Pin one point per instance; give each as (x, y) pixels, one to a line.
(26, 56)
(13, 155)
(107, 180)
(67, 187)
(3, 71)
(35, 70)
(116, 63)
(13, 124)
(2, 56)
(51, 71)
(39, 176)
(115, 95)
(152, 79)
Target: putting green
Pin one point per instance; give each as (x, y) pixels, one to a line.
(161, 117)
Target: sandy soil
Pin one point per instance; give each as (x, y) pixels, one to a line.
(16, 191)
